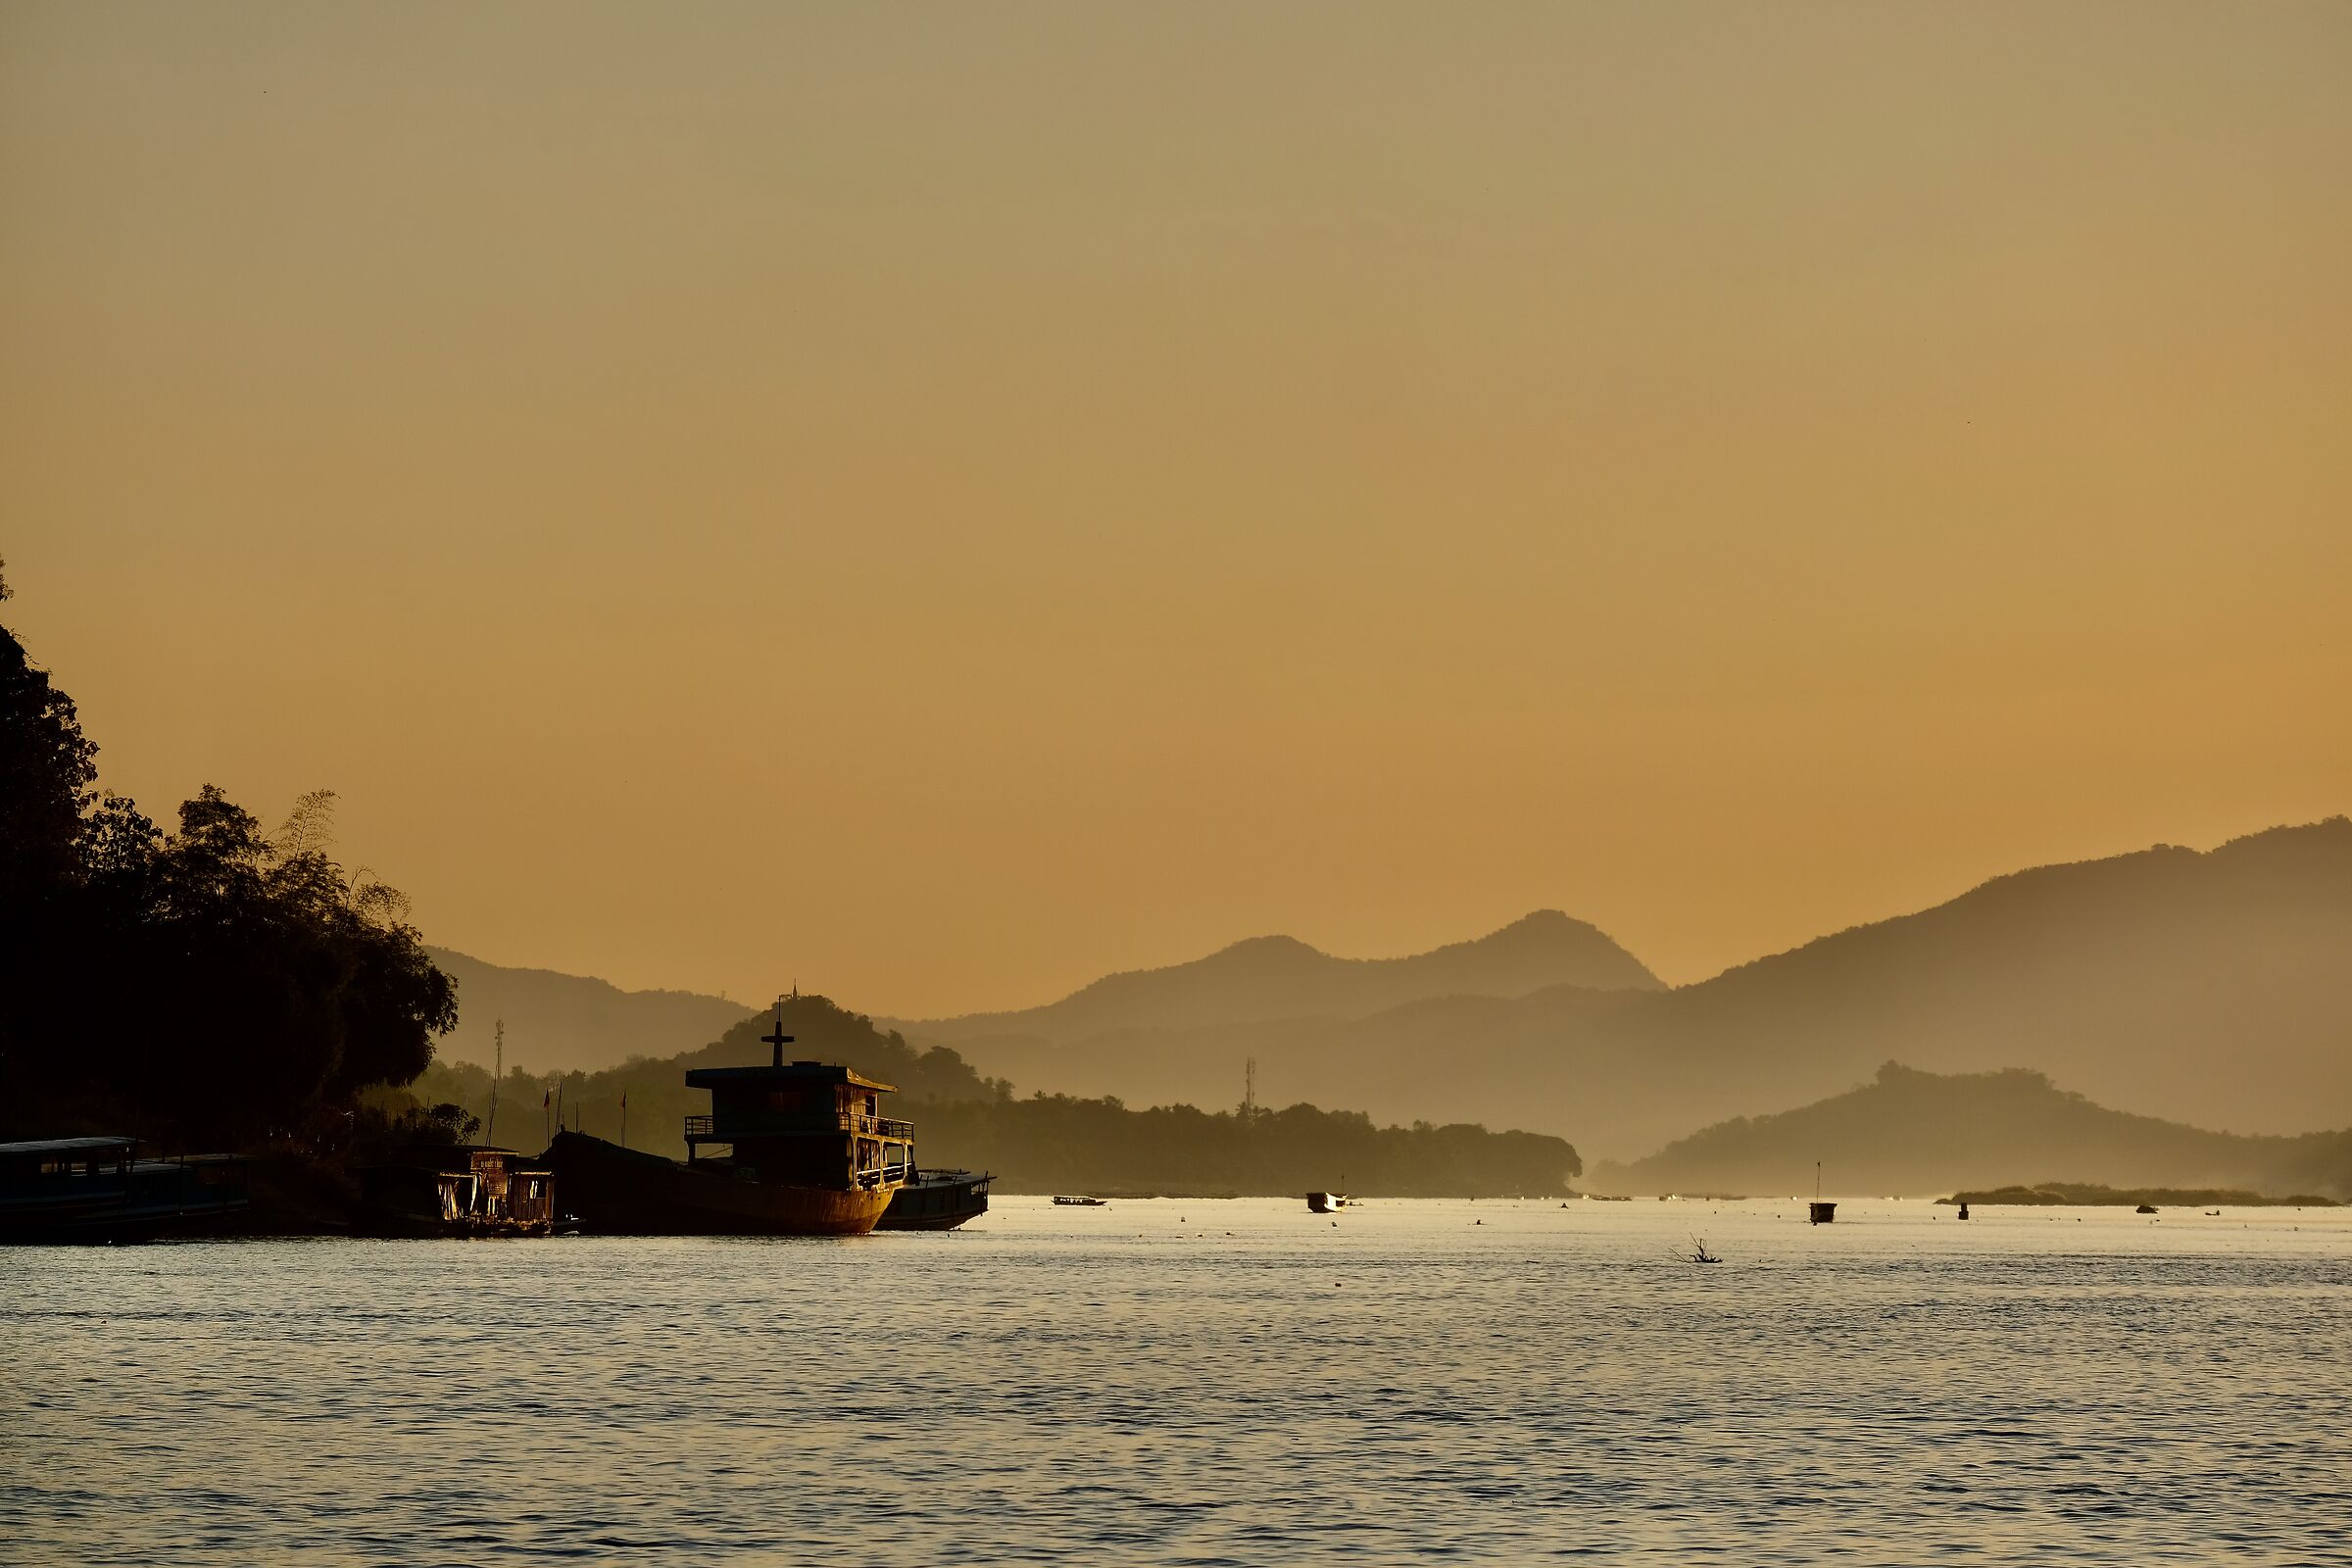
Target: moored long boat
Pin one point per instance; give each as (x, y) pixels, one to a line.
(96, 1190)
(937, 1200)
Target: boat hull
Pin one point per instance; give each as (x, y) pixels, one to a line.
(97, 1224)
(148, 1200)
(939, 1201)
(621, 1192)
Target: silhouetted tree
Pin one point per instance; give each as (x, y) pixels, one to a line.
(216, 985)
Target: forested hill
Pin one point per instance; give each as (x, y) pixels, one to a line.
(1040, 1144)
(1283, 978)
(1918, 1134)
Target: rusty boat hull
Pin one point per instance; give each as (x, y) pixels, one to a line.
(624, 1191)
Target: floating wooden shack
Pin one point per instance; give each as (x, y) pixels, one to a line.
(458, 1190)
(98, 1190)
(1325, 1202)
(1821, 1213)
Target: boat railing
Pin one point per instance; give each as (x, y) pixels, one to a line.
(706, 1126)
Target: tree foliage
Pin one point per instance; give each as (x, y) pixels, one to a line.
(216, 985)
(1054, 1142)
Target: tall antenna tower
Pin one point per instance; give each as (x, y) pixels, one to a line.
(496, 1073)
(1250, 1090)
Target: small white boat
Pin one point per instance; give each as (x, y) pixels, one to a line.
(1325, 1202)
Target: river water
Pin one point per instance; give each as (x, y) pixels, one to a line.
(1204, 1381)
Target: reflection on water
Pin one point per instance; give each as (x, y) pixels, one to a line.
(1203, 1382)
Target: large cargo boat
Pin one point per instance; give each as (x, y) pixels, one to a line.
(804, 1152)
(97, 1189)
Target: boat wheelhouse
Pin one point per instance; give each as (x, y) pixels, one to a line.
(805, 1122)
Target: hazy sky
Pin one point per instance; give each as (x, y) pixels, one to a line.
(940, 501)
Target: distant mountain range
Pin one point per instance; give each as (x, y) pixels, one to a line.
(1279, 979)
(571, 1021)
(2206, 987)
(1917, 1134)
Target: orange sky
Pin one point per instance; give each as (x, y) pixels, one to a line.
(938, 503)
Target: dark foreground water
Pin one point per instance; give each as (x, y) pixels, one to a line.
(1203, 1382)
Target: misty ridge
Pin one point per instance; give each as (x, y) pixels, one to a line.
(2212, 988)
(574, 1021)
(1277, 978)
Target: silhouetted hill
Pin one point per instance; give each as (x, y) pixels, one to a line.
(2211, 987)
(654, 1087)
(568, 1020)
(1271, 978)
(1921, 1134)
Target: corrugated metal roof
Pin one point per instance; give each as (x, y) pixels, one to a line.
(819, 1071)
(65, 1146)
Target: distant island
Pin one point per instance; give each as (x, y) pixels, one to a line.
(2079, 1195)
(1918, 1132)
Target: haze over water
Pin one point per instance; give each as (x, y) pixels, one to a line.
(1204, 1381)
